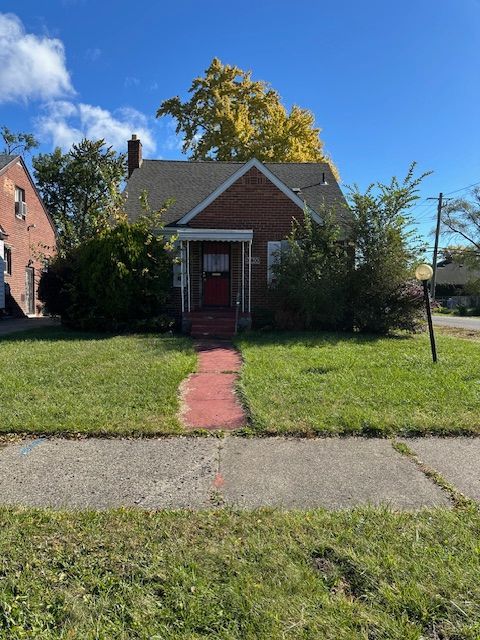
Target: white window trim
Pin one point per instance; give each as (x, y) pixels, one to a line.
(177, 266)
(3, 249)
(21, 202)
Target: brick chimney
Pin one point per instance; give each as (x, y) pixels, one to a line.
(134, 154)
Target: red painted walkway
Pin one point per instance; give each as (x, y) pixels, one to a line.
(209, 398)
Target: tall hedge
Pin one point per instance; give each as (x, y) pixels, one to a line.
(113, 281)
(311, 282)
(360, 277)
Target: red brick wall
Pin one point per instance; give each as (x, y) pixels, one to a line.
(253, 202)
(25, 243)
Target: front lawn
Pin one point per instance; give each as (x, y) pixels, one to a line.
(53, 381)
(264, 575)
(351, 384)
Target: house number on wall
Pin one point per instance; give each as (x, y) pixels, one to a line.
(254, 260)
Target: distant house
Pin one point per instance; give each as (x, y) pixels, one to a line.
(231, 219)
(26, 231)
(453, 275)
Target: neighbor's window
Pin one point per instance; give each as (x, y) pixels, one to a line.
(7, 260)
(20, 206)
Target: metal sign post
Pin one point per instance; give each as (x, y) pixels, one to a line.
(423, 273)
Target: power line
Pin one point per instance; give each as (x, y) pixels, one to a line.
(425, 216)
(463, 188)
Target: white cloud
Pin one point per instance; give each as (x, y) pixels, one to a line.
(65, 123)
(31, 67)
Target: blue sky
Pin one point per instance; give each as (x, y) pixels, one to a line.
(389, 82)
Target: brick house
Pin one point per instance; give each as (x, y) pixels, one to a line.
(26, 232)
(230, 219)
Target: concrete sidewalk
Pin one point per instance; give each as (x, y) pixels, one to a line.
(200, 473)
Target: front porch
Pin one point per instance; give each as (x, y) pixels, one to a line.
(215, 280)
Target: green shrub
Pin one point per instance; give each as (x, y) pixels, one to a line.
(311, 277)
(386, 250)
(382, 310)
(360, 278)
(117, 281)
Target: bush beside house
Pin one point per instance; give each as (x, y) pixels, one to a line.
(119, 280)
(363, 280)
(311, 277)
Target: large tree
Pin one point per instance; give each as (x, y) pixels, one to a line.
(231, 117)
(17, 143)
(461, 221)
(81, 189)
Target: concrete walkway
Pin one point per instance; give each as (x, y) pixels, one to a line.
(209, 397)
(457, 322)
(24, 324)
(199, 473)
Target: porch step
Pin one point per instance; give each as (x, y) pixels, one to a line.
(204, 315)
(212, 323)
(226, 329)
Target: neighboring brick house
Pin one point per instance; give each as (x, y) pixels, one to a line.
(26, 233)
(230, 219)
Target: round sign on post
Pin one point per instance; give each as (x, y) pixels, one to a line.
(423, 272)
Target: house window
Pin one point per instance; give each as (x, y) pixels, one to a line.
(177, 266)
(20, 206)
(274, 255)
(7, 260)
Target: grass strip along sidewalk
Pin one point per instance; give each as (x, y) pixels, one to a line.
(250, 576)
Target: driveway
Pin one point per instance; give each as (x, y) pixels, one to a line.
(457, 321)
(23, 324)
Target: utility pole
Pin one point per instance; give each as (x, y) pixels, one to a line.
(435, 248)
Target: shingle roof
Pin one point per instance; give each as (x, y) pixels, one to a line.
(455, 273)
(5, 159)
(189, 183)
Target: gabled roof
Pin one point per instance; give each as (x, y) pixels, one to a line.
(192, 184)
(451, 272)
(7, 160)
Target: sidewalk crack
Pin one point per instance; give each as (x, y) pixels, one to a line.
(457, 498)
(216, 497)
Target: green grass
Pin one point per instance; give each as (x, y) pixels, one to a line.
(350, 384)
(366, 574)
(58, 381)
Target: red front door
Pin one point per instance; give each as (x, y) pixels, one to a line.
(216, 274)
